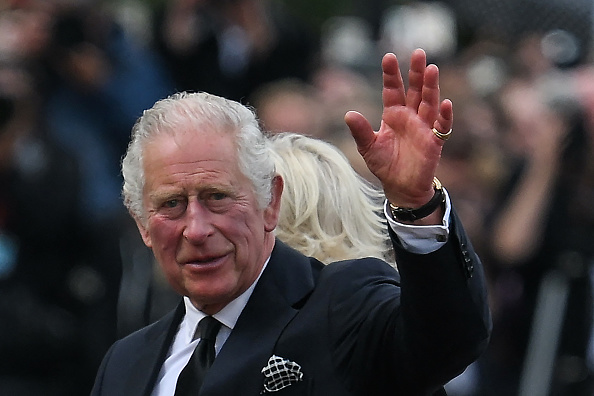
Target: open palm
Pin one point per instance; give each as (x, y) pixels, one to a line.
(404, 153)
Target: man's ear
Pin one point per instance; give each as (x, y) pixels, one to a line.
(272, 211)
(146, 238)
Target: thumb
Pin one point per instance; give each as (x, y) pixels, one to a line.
(360, 129)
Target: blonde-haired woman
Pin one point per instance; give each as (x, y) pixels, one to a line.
(328, 211)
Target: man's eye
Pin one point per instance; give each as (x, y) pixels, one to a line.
(218, 196)
(173, 208)
(172, 203)
(217, 201)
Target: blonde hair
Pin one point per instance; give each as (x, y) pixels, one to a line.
(328, 211)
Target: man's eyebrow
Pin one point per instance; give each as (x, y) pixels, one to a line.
(218, 188)
(165, 193)
(161, 195)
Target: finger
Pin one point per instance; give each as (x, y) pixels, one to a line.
(393, 93)
(360, 129)
(429, 106)
(445, 118)
(416, 76)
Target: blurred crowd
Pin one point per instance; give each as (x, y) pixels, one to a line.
(75, 75)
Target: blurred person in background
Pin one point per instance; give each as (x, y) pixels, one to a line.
(316, 108)
(541, 230)
(341, 88)
(97, 81)
(232, 47)
(74, 84)
(290, 105)
(56, 315)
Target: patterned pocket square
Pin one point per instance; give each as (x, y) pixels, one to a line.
(280, 373)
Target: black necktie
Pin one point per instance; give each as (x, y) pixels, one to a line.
(190, 379)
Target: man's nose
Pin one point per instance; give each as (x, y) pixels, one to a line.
(198, 226)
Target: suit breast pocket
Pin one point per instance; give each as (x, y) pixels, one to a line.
(304, 387)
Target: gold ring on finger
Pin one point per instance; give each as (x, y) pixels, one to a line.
(442, 136)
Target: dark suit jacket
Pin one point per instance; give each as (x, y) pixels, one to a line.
(356, 327)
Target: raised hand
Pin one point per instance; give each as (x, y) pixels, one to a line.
(405, 152)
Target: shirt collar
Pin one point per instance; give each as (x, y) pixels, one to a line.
(227, 316)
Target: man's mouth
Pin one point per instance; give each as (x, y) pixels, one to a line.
(205, 263)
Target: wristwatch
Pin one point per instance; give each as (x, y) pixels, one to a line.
(410, 214)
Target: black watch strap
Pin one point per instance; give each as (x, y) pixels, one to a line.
(410, 214)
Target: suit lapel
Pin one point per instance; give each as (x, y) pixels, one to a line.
(287, 280)
(151, 357)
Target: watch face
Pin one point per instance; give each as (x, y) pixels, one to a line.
(405, 214)
(409, 214)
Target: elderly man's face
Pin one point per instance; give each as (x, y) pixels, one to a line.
(204, 224)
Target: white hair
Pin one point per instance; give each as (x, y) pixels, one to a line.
(194, 112)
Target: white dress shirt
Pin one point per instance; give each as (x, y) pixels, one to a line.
(416, 239)
(183, 346)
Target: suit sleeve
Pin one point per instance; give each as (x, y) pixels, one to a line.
(444, 320)
(414, 330)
